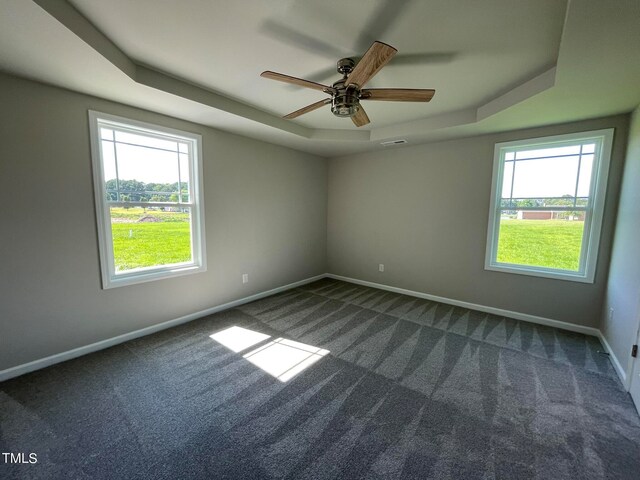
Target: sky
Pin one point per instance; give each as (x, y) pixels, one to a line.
(138, 162)
(548, 177)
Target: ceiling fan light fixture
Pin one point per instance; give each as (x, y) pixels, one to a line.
(345, 102)
(345, 111)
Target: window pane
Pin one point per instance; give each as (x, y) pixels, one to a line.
(589, 148)
(146, 165)
(145, 140)
(109, 170)
(548, 152)
(184, 177)
(106, 134)
(584, 183)
(551, 177)
(506, 179)
(541, 239)
(150, 237)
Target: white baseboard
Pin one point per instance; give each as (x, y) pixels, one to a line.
(94, 347)
(614, 361)
(473, 306)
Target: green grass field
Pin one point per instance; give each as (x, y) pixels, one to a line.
(542, 243)
(137, 245)
(545, 243)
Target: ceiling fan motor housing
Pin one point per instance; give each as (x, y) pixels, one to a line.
(345, 66)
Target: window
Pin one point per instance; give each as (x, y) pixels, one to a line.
(546, 205)
(148, 191)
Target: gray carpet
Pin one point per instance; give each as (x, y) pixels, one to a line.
(410, 389)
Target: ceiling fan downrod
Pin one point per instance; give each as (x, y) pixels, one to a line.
(345, 101)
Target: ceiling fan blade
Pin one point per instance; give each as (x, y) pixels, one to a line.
(321, 75)
(398, 94)
(399, 60)
(295, 81)
(360, 118)
(373, 60)
(307, 109)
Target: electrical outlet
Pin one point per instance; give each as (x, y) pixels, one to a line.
(381, 267)
(245, 278)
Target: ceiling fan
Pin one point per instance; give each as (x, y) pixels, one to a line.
(347, 92)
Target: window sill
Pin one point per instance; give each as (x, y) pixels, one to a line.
(541, 272)
(151, 275)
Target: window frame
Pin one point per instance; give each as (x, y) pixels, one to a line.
(593, 213)
(111, 279)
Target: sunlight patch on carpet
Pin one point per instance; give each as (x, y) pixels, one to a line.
(238, 339)
(281, 358)
(284, 359)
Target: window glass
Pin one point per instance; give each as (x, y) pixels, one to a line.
(546, 177)
(150, 237)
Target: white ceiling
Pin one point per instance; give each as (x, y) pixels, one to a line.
(496, 64)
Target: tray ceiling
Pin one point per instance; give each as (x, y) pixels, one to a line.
(495, 65)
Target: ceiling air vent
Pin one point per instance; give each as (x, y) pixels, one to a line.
(391, 143)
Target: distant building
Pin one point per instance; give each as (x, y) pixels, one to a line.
(549, 215)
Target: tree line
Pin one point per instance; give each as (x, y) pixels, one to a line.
(137, 191)
(564, 201)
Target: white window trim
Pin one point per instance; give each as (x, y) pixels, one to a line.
(594, 215)
(199, 263)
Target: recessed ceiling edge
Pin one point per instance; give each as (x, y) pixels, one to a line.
(80, 26)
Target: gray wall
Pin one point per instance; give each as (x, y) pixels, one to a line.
(623, 288)
(423, 212)
(265, 210)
